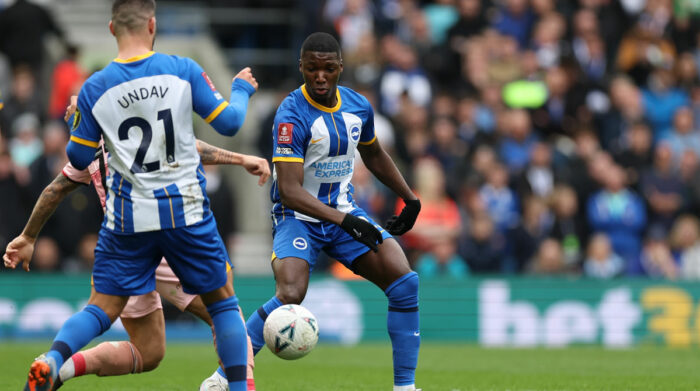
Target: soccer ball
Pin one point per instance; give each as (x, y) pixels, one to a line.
(291, 331)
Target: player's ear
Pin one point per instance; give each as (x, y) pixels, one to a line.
(152, 25)
(111, 28)
(300, 65)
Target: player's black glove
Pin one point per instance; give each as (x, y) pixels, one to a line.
(399, 225)
(362, 230)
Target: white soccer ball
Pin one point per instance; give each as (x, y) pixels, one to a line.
(291, 331)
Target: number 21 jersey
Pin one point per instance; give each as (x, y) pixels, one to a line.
(142, 107)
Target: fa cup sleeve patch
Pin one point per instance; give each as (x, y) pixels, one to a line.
(208, 80)
(284, 133)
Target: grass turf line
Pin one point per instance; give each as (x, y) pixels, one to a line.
(368, 367)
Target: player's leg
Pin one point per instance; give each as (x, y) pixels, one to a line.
(198, 257)
(291, 282)
(143, 320)
(217, 380)
(389, 270)
(295, 246)
(124, 266)
(75, 333)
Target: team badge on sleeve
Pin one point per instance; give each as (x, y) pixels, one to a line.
(284, 133)
(208, 80)
(76, 119)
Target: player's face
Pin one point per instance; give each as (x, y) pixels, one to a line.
(321, 71)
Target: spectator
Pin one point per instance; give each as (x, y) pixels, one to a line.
(656, 259)
(23, 27)
(661, 99)
(23, 98)
(500, 201)
(663, 189)
(535, 227)
(483, 249)
(601, 262)
(636, 153)
(515, 18)
(442, 261)
(402, 76)
(619, 213)
(66, 81)
(471, 22)
(549, 259)
(685, 240)
(439, 222)
(538, 177)
(684, 134)
(446, 147)
(26, 146)
(568, 228)
(518, 142)
(45, 168)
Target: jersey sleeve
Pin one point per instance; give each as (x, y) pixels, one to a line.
(207, 102)
(85, 133)
(368, 136)
(75, 175)
(289, 137)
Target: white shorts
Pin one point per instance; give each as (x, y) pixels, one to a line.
(168, 286)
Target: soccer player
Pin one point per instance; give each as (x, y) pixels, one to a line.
(142, 316)
(141, 104)
(317, 129)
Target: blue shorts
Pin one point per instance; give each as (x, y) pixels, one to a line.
(125, 264)
(304, 239)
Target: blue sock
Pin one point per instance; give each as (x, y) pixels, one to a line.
(77, 332)
(231, 341)
(256, 321)
(220, 371)
(404, 329)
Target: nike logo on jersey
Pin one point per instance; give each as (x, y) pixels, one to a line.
(317, 140)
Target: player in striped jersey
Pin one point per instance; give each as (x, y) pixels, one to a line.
(142, 316)
(317, 130)
(142, 104)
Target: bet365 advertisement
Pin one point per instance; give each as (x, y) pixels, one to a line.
(490, 311)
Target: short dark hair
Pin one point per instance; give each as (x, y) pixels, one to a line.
(131, 15)
(320, 42)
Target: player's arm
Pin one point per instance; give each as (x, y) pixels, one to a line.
(290, 180)
(382, 166)
(225, 117)
(21, 248)
(210, 154)
(85, 133)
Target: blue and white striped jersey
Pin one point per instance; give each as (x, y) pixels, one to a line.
(325, 140)
(143, 109)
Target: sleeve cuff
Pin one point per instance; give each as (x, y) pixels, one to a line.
(369, 142)
(82, 141)
(287, 159)
(240, 84)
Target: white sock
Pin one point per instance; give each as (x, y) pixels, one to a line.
(67, 371)
(410, 387)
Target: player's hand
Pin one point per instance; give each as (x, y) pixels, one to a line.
(362, 230)
(20, 249)
(258, 167)
(70, 109)
(247, 75)
(399, 225)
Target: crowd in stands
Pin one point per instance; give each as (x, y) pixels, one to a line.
(543, 137)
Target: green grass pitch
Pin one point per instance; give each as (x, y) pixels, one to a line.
(368, 367)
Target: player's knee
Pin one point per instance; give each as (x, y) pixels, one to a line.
(291, 294)
(403, 293)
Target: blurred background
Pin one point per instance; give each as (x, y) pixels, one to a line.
(554, 145)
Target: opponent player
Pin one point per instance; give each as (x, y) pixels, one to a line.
(316, 131)
(142, 316)
(141, 105)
